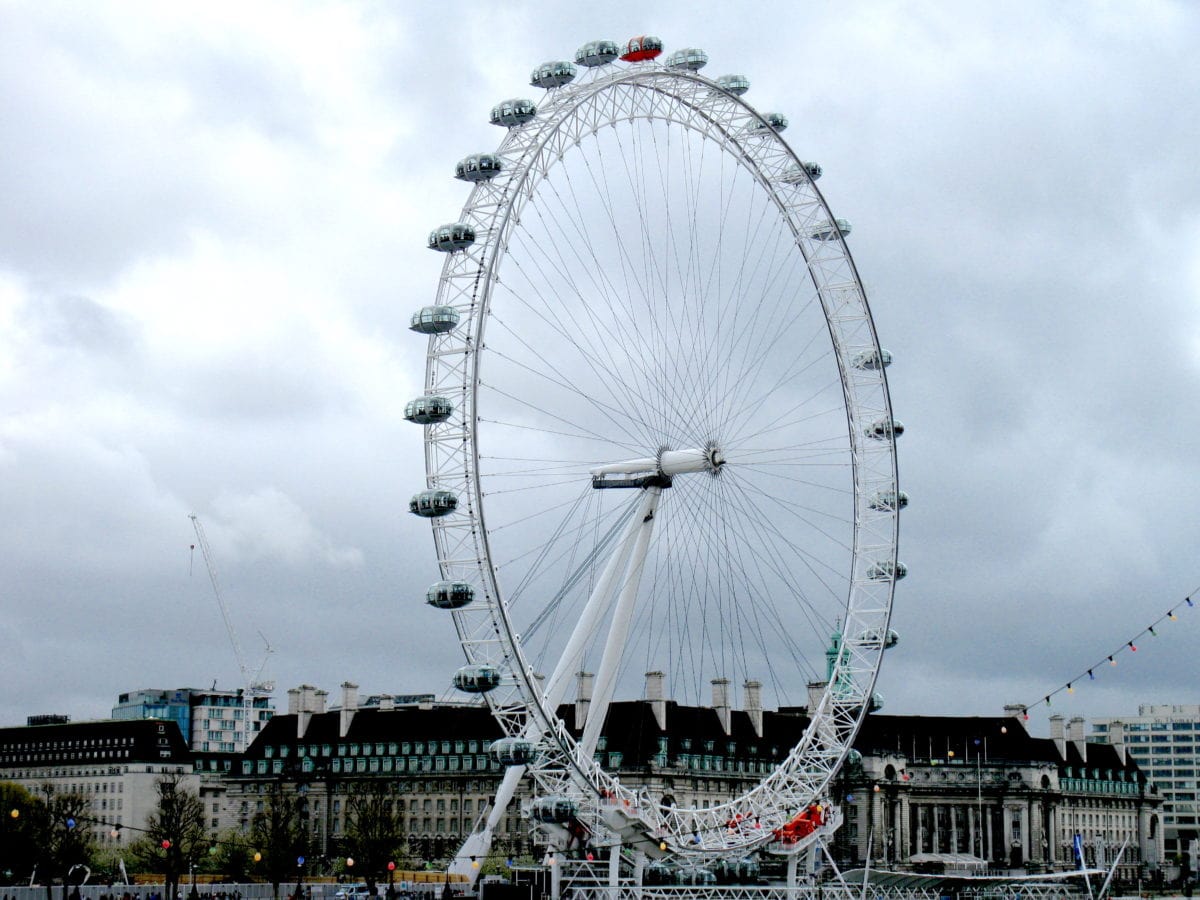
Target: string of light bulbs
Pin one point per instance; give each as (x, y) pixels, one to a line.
(1110, 659)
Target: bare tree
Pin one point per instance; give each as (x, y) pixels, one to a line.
(374, 828)
(175, 830)
(277, 833)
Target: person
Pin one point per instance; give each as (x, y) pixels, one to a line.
(75, 893)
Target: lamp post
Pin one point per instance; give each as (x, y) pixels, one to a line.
(979, 797)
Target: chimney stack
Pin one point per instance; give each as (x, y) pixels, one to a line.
(349, 707)
(816, 690)
(308, 701)
(658, 703)
(720, 702)
(1116, 737)
(387, 703)
(1058, 734)
(1075, 734)
(752, 700)
(583, 696)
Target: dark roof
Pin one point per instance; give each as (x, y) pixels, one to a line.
(630, 728)
(992, 737)
(371, 725)
(103, 742)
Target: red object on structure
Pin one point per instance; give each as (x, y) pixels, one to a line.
(801, 825)
(642, 48)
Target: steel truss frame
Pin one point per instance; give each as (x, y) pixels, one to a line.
(607, 97)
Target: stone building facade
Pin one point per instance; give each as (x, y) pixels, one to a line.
(980, 791)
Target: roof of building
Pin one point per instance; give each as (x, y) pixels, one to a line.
(105, 741)
(991, 737)
(370, 725)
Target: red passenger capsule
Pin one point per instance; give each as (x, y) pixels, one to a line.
(641, 48)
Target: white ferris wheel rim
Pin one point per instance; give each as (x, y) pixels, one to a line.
(650, 91)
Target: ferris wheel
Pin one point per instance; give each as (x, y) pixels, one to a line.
(659, 444)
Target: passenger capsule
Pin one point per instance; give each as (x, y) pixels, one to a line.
(428, 410)
(883, 571)
(658, 873)
(801, 174)
(890, 638)
(773, 122)
(886, 501)
(432, 504)
(478, 679)
(434, 320)
(876, 703)
(553, 810)
(642, 48)
(870, 359)
(478, 167)
(689, 58)
(695, 875)
(449, 594)
(735, 84)
(553, 74)
(596, 53)
(449, 238)
(883, 429)
(511, 113)
(831, 231)
(513, 751)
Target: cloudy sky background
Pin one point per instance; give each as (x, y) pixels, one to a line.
(212, 236)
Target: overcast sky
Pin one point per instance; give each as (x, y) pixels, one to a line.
(212, 226)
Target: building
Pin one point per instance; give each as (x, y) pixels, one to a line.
(918, 790)
(211, 721)
(930, 791)
(1165, 741)
(113, 764)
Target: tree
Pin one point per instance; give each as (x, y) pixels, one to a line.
(234, 856)
(175, 830)
(16, 838)
(61, 835)
(277, 834)
(374, 828)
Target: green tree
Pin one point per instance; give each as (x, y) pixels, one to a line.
(61, 835)
(234, 857)
(277, 834)
(175, 831)
(374, 829)
(16, 838)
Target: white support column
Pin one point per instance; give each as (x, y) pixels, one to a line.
(618, 629)
(597, 605)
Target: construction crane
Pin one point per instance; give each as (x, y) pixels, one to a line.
(252, 684)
